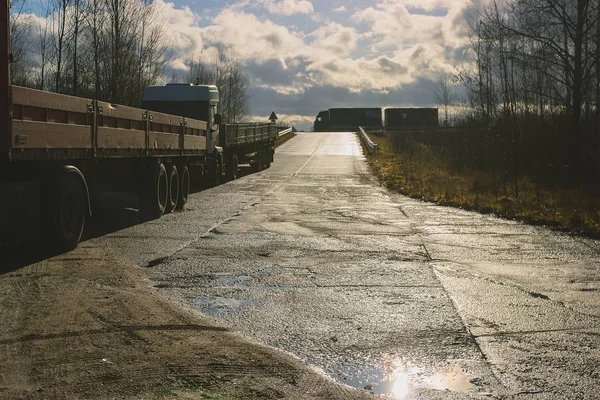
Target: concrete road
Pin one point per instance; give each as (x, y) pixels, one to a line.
(383, 293)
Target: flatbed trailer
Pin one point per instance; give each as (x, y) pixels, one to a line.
(58, 153)
(250, 143)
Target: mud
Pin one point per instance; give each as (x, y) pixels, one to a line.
(84, 325)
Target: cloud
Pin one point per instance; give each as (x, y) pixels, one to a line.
(431, 5)
(334, 39)
(382, 50)
(288, 7)
(253, 38)
(302, 122)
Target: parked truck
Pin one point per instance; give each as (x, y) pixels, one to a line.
(340, 119)
(58, 153)
(411, 118)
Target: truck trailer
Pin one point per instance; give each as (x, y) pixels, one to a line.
(344, 119)
(58, 153)
(411, 118)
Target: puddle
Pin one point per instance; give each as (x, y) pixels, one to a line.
(220, 305)
(398, 380)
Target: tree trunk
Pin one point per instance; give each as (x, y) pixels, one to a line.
(575, 134)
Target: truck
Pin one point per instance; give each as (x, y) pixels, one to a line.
(411, 118)
(58, 153)
(337, 119)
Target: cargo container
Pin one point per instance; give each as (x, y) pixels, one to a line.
(352, 118)
(339, 119)
(411, 118)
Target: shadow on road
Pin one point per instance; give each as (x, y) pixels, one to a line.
(117, 211)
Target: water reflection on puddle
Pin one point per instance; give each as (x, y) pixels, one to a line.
(399, 380)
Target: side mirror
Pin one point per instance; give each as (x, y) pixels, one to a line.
(217, 119)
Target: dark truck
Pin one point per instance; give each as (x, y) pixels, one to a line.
(336, 119)
(58, 153)
(411, 118)
(348, 119)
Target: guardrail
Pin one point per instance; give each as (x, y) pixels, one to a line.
(284, 132)
(371, 145)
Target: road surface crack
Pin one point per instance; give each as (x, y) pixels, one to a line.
(533, 332)
(212, 230)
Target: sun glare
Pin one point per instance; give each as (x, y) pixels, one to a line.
(400, 381)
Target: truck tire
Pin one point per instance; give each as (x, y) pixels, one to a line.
(153, 201)
(65, 214)
(172, 189)
(184, 186)
(232, 167)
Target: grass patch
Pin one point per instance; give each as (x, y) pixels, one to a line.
(422, 173)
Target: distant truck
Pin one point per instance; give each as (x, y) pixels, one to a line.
(338, 119)
(58, 153)
(411, 118)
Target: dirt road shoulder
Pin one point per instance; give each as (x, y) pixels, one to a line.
(82, 325)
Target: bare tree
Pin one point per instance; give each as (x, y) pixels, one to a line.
(44, 48)
(77, 19)
(200, 72)
(133, 52)
(20, 31)
(444, 93)
(93, 35)
(542, 58)
(60, 34)
(226, 72)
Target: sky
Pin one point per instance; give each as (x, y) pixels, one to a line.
(303, 56)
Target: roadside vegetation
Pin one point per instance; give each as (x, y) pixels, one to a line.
(525, 143)
(411, 167)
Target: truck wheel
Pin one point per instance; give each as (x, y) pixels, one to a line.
(154, 201)
(67, 217)
(172, 189)
(184, 187)
(232, 167)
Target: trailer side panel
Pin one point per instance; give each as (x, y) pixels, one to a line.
(51, 126)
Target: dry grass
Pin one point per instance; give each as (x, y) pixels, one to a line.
(421, 173)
